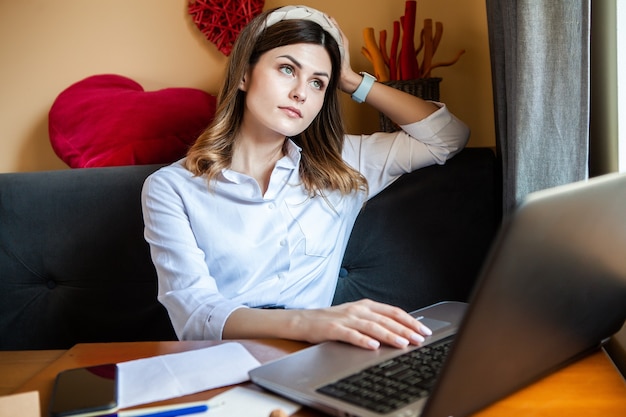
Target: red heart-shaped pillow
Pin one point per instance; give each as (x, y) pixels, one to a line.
(109, 120)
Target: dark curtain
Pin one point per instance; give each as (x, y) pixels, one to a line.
(541, 80)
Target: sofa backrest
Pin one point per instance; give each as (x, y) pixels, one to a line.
(74, 266)
(424, 239)
(73, 261)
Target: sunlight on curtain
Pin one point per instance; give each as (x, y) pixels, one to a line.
(540, 68)
(621, 83)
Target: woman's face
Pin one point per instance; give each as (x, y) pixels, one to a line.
(285, 90)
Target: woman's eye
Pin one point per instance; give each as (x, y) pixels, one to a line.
(317, 84)
(286, 69)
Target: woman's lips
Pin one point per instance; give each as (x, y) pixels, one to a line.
(292, 112)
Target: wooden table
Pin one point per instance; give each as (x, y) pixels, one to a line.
(589, 387)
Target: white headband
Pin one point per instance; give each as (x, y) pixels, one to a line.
(306, 13)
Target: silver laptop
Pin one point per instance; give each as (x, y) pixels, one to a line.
(552, 289)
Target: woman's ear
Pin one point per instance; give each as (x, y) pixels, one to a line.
(243, 84)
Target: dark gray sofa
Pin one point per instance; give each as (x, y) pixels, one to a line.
(74, 266)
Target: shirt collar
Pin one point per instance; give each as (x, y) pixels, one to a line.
(289, 161)
(292, 158)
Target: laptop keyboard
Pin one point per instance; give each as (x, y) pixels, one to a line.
(390, 385)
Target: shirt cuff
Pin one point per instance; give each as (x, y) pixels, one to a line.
(431, 125)
(214, 327)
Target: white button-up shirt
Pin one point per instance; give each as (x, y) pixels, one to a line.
(230, 246)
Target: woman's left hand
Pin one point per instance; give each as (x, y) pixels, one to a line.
(350, 80)
(401, 107)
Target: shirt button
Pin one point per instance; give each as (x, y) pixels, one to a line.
(283, 242)
(271, 206)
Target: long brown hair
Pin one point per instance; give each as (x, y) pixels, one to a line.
(321, 167)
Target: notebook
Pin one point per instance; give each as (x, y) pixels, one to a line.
(552, 289)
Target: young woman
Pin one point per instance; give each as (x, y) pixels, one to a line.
(248, 231)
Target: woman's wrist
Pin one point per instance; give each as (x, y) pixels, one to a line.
(350, 82)
(246, 323)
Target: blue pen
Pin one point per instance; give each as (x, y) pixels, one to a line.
(177, 412)
(171, 412)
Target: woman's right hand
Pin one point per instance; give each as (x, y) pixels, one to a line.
(363, 323)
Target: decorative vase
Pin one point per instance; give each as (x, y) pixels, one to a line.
(424, 88)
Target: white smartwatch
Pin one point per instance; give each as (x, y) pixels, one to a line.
(364, 88)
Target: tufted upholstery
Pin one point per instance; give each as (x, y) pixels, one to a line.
(74, 266)
(74, 263)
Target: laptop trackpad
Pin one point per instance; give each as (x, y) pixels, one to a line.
(434, 324)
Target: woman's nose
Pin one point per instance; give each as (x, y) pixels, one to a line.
(299, 92)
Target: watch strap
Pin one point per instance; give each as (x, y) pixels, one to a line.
(364, 87)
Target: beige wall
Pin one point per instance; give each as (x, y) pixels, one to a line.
(47, 45)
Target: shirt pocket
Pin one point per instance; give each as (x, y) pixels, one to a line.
(317, 221)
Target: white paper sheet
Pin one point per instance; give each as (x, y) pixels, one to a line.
(241, 401)
(162, 377)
